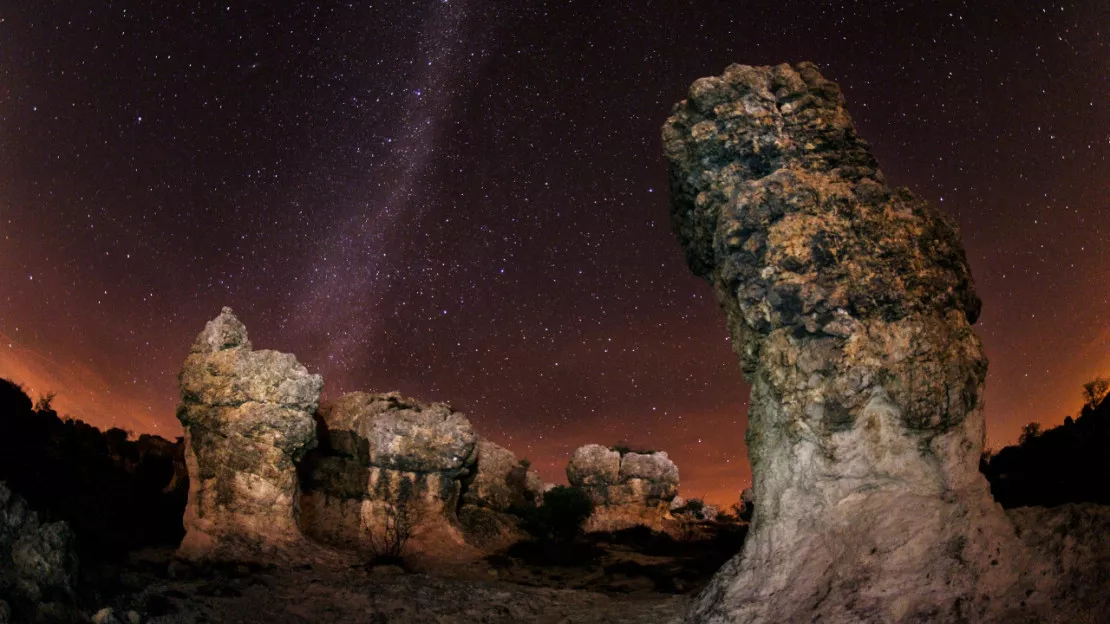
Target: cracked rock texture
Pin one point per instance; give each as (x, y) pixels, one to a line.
(381, 453)
(850, 307)
(630, 489)
(248, 418)
(38, 565)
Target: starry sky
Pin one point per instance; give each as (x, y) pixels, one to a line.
(467, 201)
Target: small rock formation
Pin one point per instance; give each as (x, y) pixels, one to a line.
(498, 484)
(381, 453)
(628, 490)
(39, 565)
(247, 417)
(850, 307)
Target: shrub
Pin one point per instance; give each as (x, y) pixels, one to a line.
(561, 516)
(400, 521)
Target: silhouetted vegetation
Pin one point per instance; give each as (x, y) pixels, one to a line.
(1065, 464)
(561, 515)
(117, 494)
(624, 448)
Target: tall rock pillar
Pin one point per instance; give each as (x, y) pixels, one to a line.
(850, 306)
(247, 416)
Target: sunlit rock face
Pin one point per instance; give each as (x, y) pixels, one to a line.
(248, 418)
(381, 453)
(850, 306)
(628, 490)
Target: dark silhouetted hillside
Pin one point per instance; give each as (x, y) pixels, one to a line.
(1066, 464)
(117, 494)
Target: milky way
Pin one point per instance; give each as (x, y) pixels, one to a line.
(467, 201)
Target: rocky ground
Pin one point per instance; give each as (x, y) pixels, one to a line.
(632, 576)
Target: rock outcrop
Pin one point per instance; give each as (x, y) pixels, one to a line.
(501, 481)
(498, 485)
(39, 564)
(248, 418)
(384, 453)
(630, 489)
(850, 307)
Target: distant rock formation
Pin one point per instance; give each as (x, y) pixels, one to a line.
(850, 307)
(498, 485)
(116, 493)
(38, 564)
(630, 489)
(247, 417)
(381, 453)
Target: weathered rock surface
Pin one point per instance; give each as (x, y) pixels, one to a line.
(1074, 540)
(381, 453)
(498, 484)
(248, 418)
(38, 564)
(500, 481)
(850, 306)
(628, 490)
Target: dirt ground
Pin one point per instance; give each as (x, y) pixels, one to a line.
(628, 577)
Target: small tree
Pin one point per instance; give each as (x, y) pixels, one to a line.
(1029, 433)
(1094, 391)
(400, 521)
(45, 402)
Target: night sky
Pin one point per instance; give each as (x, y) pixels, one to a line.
(467, 201)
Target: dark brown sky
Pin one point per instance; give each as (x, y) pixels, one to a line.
(466, 201)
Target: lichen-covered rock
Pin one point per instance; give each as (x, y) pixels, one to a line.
(628, 490)
(394, 432)
(593, 464)
(850, 307)
(38, 565)
(247, 417)
(381, 453)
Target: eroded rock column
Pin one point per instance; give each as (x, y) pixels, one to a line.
(248, 417)
(850, 306)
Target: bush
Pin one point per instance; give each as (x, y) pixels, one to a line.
(561, 516)
(399, 522)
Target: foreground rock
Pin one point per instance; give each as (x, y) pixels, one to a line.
(38, 565)
(1074, 541)
(248, 417)
(628, 490)
(389, 468)
(850, 307)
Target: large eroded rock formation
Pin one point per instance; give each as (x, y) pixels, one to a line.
(850, 306)
(628, 490)
(248, 417)
(382, 454)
